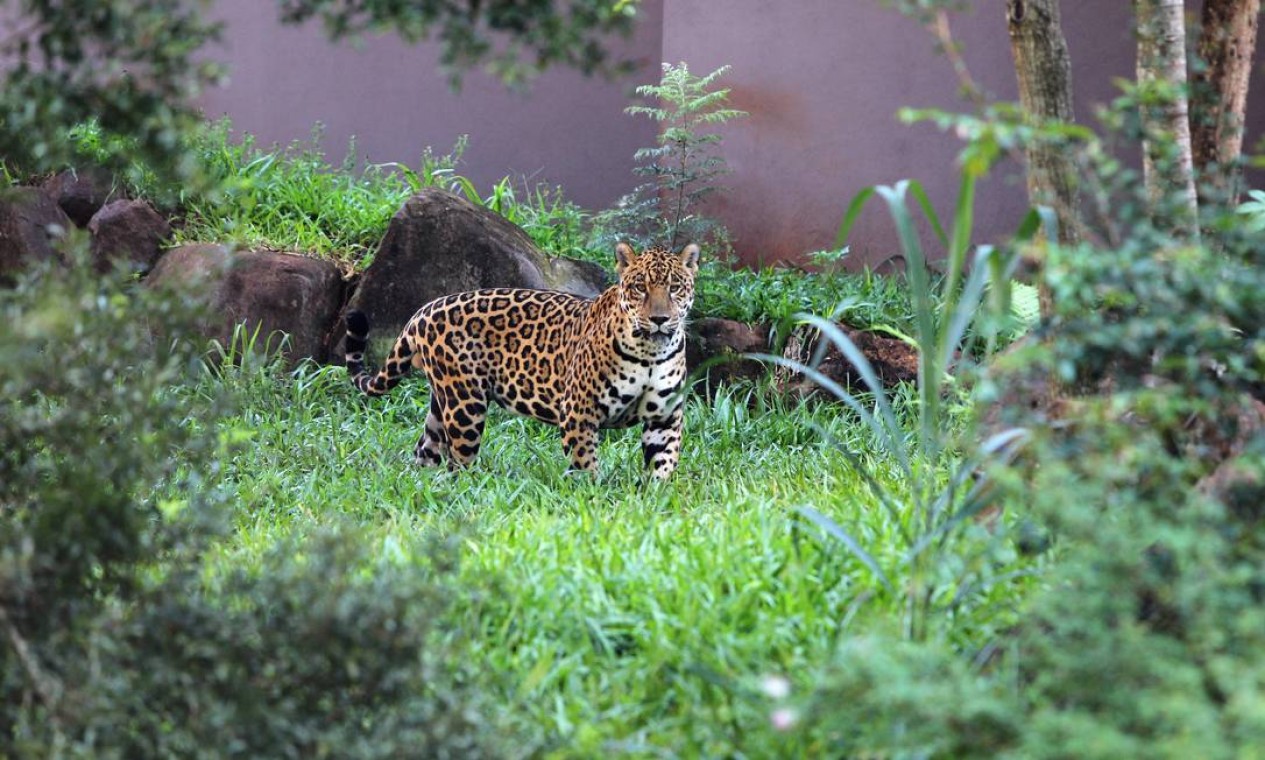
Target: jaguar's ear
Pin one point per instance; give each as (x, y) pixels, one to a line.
(624, 255)
(689, 257)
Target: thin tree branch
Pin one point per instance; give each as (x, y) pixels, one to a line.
(943, 33)
(46, 688)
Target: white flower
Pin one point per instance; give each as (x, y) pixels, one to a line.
(776, 687)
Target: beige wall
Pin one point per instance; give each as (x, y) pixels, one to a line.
(567, 129)
(822, 79)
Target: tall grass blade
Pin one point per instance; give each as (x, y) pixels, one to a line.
(885, 426)
(850, 216)
(924, 202)
(1000, 447)
(961, 312)
(896, 511)
(830, 386)
(835, 531)
(892, 437)
(929, 381)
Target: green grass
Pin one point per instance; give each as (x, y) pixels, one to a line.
(621, 614)
(293, 198)
(774, 295)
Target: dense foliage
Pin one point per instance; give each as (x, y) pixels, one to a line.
(1147, 631)
(129, 64)
(515, 38)
(136, 66)
(117, 644)
(1140, 490)
(185, 576)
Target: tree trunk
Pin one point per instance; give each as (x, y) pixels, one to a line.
(1167, 165)
(1227, 42)
(1044, 70)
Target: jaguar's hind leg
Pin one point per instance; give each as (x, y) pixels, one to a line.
(464, 415)
(432, 447)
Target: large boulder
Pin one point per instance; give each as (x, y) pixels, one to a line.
(130, 231)
(718, 347)
(82, 192)
(266, 291)
(197, 268)
(30, 224)
(439, 243)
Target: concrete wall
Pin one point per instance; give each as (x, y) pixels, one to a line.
(567, 129)
(823, 80)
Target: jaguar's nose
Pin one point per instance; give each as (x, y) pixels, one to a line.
(659, 320)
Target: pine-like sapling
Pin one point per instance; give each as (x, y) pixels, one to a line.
(683, 167)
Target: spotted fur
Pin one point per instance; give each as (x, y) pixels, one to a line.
(577, 363)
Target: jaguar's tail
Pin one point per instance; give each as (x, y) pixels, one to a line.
(374, 383)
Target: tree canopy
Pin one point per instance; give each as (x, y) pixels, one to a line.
(134, 67)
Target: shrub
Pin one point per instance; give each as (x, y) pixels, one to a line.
(115, 641)
(94, 443)
(322, 651)
(1145, 633)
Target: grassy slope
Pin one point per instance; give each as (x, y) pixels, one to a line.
(622, 614)
(293, 198)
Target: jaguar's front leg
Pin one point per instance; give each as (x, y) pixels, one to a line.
(579, 440)
(661, 443)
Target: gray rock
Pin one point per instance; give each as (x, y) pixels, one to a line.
(30, 224)
(272, 292)
(131, 231)
(439, 243)
(196, 268)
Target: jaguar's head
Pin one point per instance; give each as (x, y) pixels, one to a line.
(656, 289)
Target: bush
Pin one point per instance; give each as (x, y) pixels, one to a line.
(1150, 633)
(322, 651)
(117, 642)
(95, 444)
(1145, 634)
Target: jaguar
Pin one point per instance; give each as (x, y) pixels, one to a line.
(579, 364)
